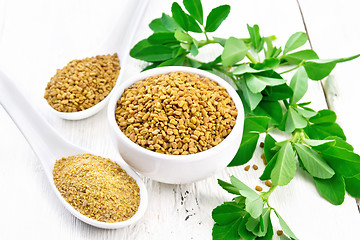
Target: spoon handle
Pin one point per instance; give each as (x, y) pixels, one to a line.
(44, 141)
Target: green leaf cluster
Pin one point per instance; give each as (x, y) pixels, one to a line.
(247, 216)
(171, 43)
(317, 143)
(322, 151)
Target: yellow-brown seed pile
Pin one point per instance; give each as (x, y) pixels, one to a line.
(82, 84)
(97, 187)
(176, 113)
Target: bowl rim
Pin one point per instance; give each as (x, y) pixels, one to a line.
(235, 132)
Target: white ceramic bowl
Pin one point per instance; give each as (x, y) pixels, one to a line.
(176, 169)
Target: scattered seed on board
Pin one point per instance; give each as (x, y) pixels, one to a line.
(258, 188)
(255, 167)
(97, 187)
(268, 183)
(264, 159)
(82, 84)
(177, 113)
(279, 232)
(247, 168)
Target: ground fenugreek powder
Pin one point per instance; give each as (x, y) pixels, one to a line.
(176, 113)
(82, 84)
(97, 187)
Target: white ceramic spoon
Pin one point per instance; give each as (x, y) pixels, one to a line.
(49, 147)
(123, 53)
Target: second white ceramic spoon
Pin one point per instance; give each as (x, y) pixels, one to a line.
(49, 147)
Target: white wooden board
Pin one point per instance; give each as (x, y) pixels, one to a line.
(339, 37)
(38, 37)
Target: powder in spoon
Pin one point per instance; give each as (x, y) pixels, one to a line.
(83, 83)
(97, 187)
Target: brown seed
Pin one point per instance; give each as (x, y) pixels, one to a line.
(268, 183)
(258, 188)
(279, 232)
(172, 106)
(255, 167)
(264, 159)
(97, 187)
(82, 83)
(247, 168)
(262, 145)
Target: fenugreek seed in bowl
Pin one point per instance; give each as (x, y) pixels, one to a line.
(176, 124)
(176, 113)
(77, 90)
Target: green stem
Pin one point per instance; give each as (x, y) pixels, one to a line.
(267, 194)
(294, 68)
(251, 58)
(286, 103)
(205, 42)
(291, 69)
(207, 38)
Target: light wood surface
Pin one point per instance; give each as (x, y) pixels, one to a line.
(38, 37)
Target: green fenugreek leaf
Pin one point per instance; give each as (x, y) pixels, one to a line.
(162, 38)
(257, 124)
(243, 232)
(269, 143)
(324, 116)
(246, 149)
(253, 205)
(256, 83)
(227, 213)
(177, 61)
(298, 57)
(170, 23)
(353, 186)
(226, 232)
(339, 142)
(270, 232)
(195, 9)
(332, 189)
(252, 99)
(257, 42)
(266, 175)
(216, 17)
(317, 69)
(270, 109)
(157, 26)
(343, 161)
(234, 51)
(285, 227)
(144, 50)
(229, 187)
(296, 40)
(245, 68)
(322, 131)
(299, 85)
(285, 166)
(294, 120)
(313, 162)
(259, 226)
(184, 20)
(267, 64)
(276, 93)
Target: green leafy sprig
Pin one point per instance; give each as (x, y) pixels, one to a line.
(247, 216)
(256, 67)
